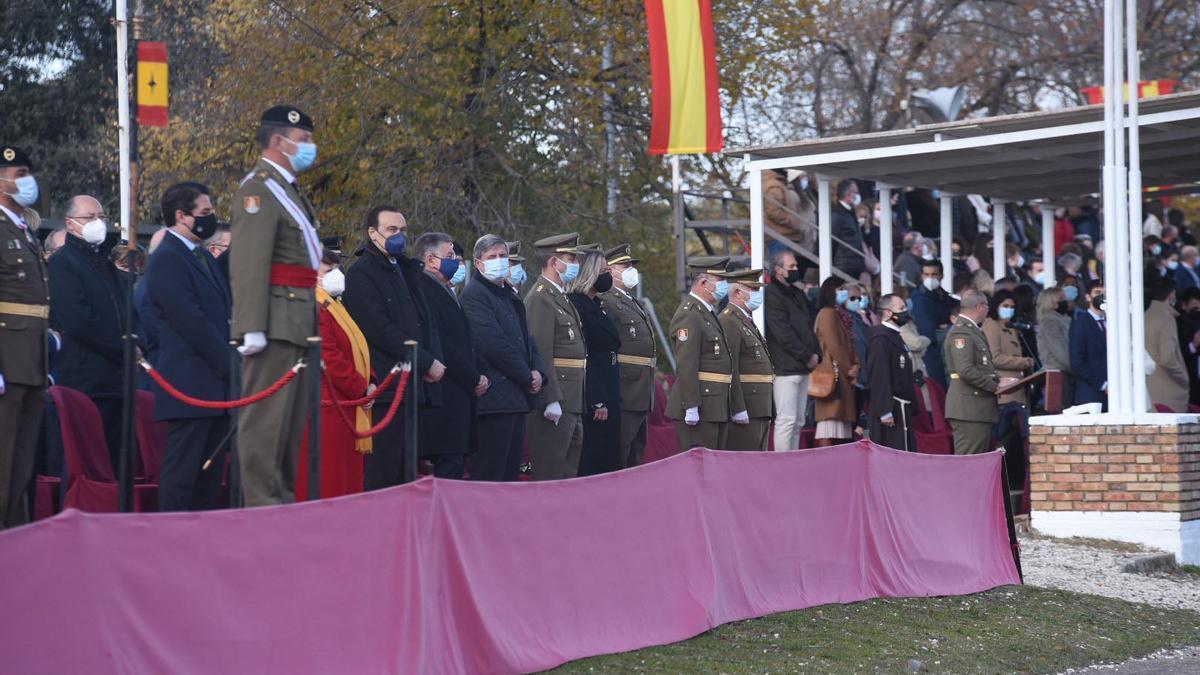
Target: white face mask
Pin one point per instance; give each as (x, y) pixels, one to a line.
(334, 282)
(94, 231)
(857, 199)
(630, 277)
(931, 283)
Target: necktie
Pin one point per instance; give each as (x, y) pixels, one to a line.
(1103, 328)
(199, 253)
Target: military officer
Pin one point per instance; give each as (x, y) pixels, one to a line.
(24, 315)
(971, 406)
(556, 423)
(892, 394)
(700, 400)
(752, 398)
(516, 267)
(637, 357)
(273, 274)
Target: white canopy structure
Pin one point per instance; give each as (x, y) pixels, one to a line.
(1053, 158)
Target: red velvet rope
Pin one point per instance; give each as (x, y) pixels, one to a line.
(387, 419)
(354, 403)
(222, 405)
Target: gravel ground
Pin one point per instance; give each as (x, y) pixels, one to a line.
(1055, 563)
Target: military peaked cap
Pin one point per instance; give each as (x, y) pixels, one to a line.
(287, 116)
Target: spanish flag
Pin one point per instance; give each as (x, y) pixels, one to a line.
(686, 105)
(152, 84)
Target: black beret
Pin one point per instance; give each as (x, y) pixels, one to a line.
(287, 116)
(10, 155)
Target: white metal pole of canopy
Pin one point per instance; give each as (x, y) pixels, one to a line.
(1056, 158)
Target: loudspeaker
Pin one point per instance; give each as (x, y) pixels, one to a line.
(942, 104)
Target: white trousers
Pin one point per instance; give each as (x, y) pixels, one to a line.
(791, 401)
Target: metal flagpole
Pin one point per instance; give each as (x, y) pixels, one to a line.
(1137, 317)
(125, 458)
(1125, 305)
(677, 220)
(1112, 254)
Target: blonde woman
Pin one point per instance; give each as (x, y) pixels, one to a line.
(602, 378)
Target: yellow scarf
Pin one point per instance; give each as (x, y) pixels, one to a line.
(362, 359)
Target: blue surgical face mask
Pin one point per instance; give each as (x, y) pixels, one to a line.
(306, 154)
(516, 274)
(1040, 278)
(448, 267)
(1006, 313)
(1156, 249)
(396, 244)
(1071, 293)
(27, 191)
(842, 296)
(854, 305)
(571, 272)
(496, 269)
(1172, 264)
(721, 290)
(755, 301)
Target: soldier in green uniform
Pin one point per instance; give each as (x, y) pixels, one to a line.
(556, 422)
(273, 272)
(753, 404)
(517, 276)
(700, 400)
(971, 406)
(638, 355)
(24, 315)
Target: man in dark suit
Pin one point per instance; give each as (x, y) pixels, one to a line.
(87, 306)
(447, 432)
(191, 304)
(384, 299)
(1089, 350)
(847, 257)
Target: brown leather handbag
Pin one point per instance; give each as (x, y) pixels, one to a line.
(823, 383)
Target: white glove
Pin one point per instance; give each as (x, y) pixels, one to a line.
(253, 343)
(691, 416)
(741, 418)
(553, 413)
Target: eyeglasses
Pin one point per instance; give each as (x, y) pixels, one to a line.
(856, 298)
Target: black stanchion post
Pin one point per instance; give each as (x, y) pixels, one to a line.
(235, 392)
(411, 402)
(1008, 515)
(128, 395)
(314, 418)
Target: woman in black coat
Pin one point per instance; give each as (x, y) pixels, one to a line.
(508, 357)
(602, 421)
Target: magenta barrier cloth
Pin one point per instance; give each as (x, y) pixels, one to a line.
(452, 576)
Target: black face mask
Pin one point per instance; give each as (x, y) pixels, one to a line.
(603, 282)
(793, 276)
(1063, 307)
(205, 226)
(900, 318)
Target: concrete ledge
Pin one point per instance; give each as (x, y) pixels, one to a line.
(1156, 419)
(1163, 531)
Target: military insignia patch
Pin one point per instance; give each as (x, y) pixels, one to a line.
(682, 335)
(9, 154)
(570, 333)
(252, 204)
(293, 116)
(541, 288)
(960, 343)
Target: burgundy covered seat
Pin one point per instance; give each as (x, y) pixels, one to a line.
(932, 431)
(1163, 408)
(91, 482)
(661, 440)
(151, 437)
(45, 499)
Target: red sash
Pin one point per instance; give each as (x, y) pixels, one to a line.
(297, 276)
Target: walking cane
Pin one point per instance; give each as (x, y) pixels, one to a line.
(904, 420)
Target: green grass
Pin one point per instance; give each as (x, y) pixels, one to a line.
(1014, 629)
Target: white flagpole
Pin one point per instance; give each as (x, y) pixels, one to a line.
(122, 25)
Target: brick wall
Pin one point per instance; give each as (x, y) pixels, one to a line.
(1116, 468)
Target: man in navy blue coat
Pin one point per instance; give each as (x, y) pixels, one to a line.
(931, 311)
(189, 302)
(1089, 351)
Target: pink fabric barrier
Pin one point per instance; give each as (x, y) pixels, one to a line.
(446, 576)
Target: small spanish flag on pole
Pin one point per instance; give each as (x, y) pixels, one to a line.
(152, 84)
(686, 105)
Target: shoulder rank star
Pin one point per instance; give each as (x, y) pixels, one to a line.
(252, 204)
(682, 335)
